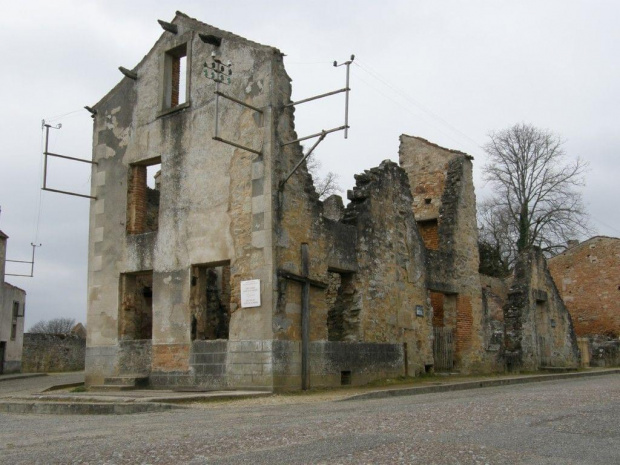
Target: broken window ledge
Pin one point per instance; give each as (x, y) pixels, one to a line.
(169, 111)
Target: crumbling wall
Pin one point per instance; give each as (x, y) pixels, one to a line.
(391, 278)
(588, 278)
(444, 205)
(538, 328)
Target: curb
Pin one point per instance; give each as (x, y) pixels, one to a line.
(21, 376)
(77, 408)
(474, 385)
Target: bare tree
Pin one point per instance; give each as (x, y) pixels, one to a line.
(325, 186)
(536, 200)
(53, 326)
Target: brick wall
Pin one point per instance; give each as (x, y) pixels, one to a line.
(588, 278)
(464, 323)
(136, 200)
(429, 230)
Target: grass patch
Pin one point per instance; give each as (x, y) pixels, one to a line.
(79, 389)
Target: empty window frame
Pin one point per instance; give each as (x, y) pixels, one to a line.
(14, 320)
(210, 301)
(143, 192)
(176, 75)
(136, 306)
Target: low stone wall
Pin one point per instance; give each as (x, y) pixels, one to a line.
(45, 353)
(276, 364)
(335, 363)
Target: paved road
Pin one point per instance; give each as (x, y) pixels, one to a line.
(560, 422)
(25, 386)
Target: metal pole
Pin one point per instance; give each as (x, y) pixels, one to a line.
(32, 265)
(346, 103)
(303, 159)
(47, 135)
(310, 99)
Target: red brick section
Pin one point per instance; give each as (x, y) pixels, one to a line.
(464, 323)
(175, 80)
(136, 200)
(588, 278)
(429, 231)
(437, 304)
(171, 357)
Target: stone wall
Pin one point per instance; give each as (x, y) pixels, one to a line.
(47, 353)
(539, 330)
(588, 278)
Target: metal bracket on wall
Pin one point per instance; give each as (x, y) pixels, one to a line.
(222, 74)
(47, 154)
(321, 135)
(31, 262)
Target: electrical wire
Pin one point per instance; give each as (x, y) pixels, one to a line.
(408, 109)
(57, 117)
(360, 64)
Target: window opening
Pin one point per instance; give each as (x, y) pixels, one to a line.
(210, 301)
(345, 378)
(175, 77)
(14, 321)
(136, 306)
(143, 197)
(343, 314)
(429, 230)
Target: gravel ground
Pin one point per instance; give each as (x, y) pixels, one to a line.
(559, 422)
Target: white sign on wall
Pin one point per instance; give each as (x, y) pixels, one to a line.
(250, 293)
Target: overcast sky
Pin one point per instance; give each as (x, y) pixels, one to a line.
(448, 71)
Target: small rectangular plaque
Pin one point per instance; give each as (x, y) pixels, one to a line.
(250, 293)
(419, 310)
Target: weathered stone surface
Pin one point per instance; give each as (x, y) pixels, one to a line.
(45, 353)
(538, 328)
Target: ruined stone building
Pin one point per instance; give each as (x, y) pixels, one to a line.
(206, 264)
(12, 311)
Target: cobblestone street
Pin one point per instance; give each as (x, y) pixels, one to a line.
(559, 422)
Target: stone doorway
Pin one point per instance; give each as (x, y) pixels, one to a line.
(210, 301)
(444, 323)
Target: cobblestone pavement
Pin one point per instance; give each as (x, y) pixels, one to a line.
(25, 386)
(558, 422)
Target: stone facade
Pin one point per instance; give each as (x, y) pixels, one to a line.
(181, 219)
(12, 315)
(539, 330)
(47, 353)
(588, 278)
